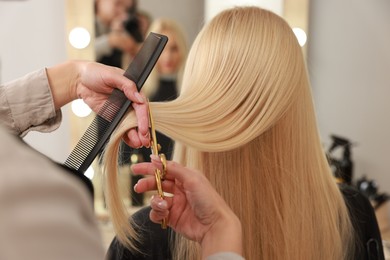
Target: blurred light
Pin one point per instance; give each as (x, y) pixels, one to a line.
(79, 37)
(301, 35)
(134, 158)
(89, 173)
(80, 109)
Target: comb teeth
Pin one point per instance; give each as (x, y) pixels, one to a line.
(112, 106)
(97, 134)
(87, 143)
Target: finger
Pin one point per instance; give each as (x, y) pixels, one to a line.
(144, 168)
(148, 168)
(141, 111)
(176, 170)
(115, 79)
(145, 184)
(132, 138)
(129, 88)
(158, 216)
(149, 184)
(159, 205)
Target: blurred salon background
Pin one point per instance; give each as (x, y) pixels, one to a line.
(346, 44)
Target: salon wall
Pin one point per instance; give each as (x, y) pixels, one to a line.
(32, 36)
(349, 64)
(213, 7)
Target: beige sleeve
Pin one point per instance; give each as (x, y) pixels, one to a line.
(26, 104)
(45, 213)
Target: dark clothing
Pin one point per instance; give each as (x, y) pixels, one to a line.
(166, 91)
(369, 243)
(131, 26)
(114, 59)
(156, 240)
(155, 244)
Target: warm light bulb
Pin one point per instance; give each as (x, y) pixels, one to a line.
(301, 35)
(80, 109)
(79, 37)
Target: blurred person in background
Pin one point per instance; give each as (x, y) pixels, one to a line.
(110, 33)
(118, 38)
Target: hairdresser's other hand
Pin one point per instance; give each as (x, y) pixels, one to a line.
(94, 82)
(196, 210)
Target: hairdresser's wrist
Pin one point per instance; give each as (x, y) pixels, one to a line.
(224, 236)
(63, 80)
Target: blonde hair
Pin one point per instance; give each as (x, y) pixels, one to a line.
(245, 118)
(161, 26)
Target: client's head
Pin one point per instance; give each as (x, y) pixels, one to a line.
(243, 72)
(245, 118)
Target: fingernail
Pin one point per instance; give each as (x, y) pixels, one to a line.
(147, 135)
(139, 97)
(162, 204)
(154, 157)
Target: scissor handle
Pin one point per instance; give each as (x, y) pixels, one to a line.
(154, 146)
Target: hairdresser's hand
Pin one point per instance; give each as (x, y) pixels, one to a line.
(94, 82)
(122, 40)
(196, 210)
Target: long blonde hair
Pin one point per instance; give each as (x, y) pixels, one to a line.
(245, 118)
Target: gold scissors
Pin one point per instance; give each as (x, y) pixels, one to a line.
(159, 175)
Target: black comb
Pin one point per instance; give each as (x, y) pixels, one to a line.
(113, 110)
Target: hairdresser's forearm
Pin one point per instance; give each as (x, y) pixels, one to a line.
(62, 80)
